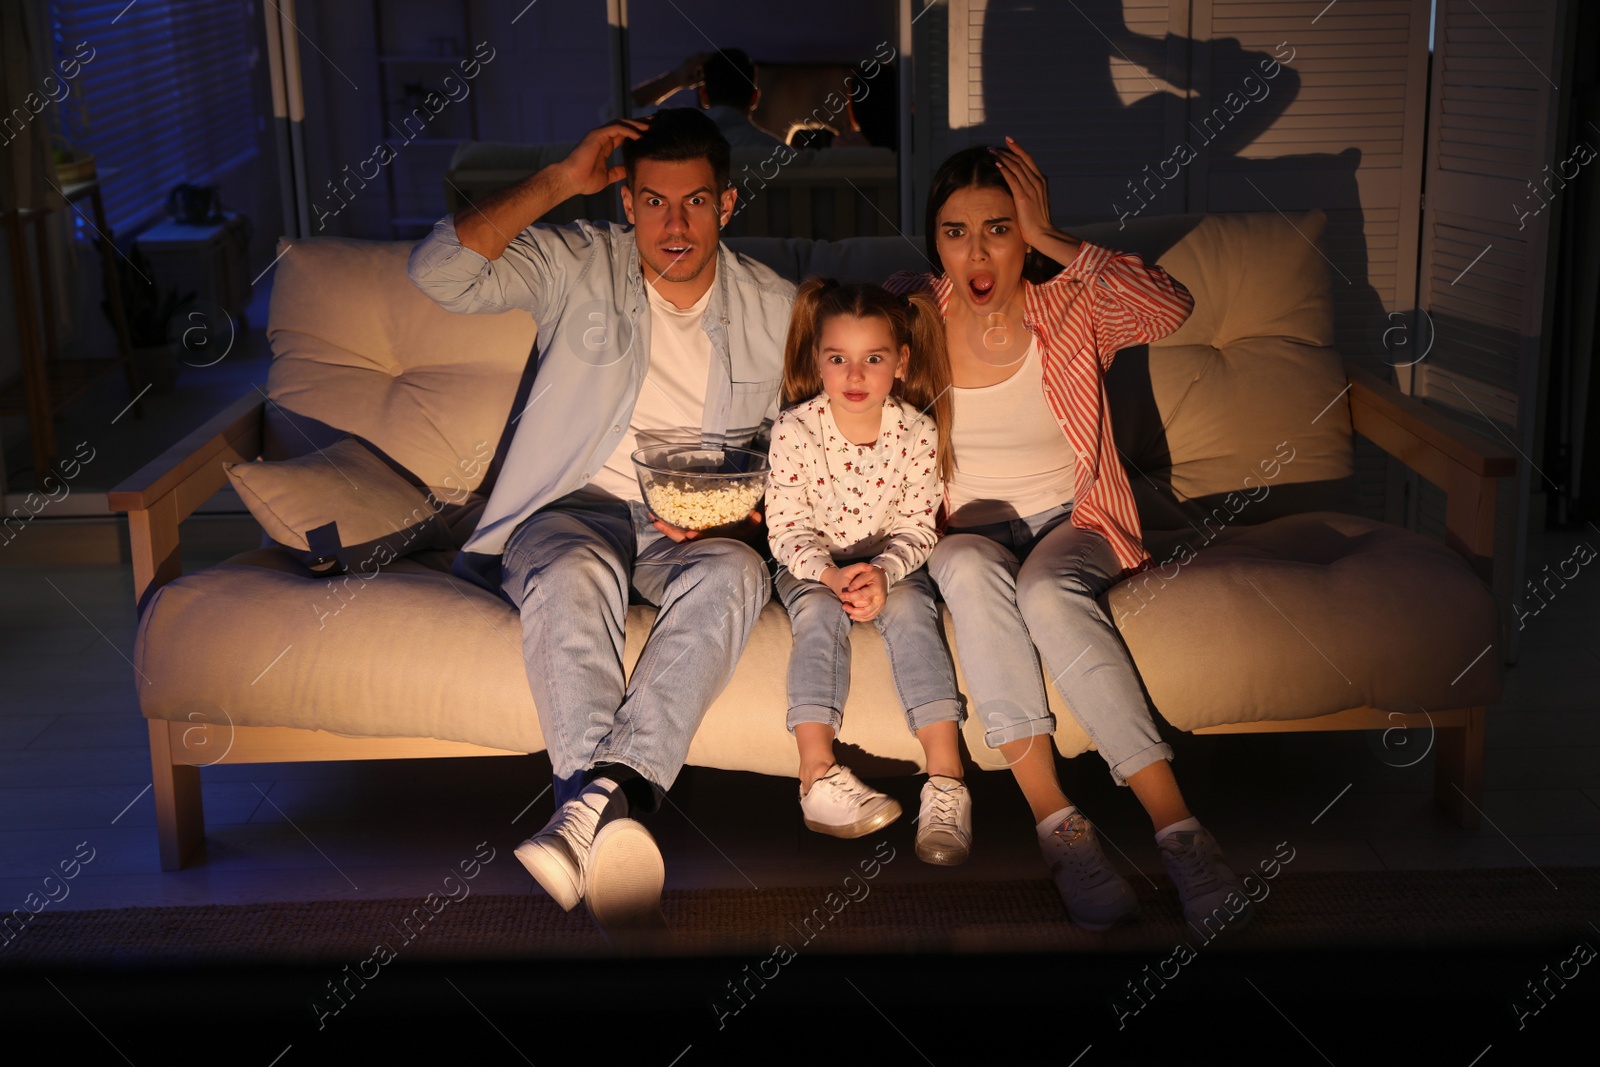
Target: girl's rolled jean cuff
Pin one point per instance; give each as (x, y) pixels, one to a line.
(1137, 762)
(945, 710)
(814, 713)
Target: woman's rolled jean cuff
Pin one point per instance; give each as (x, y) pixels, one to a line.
(1016, 731)
(1139, 761)
(814, 713)
(934, 711)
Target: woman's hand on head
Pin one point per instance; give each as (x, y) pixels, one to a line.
(1029, 188)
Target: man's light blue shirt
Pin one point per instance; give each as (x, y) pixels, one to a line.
(584, 287)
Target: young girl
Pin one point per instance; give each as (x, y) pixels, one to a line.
(857, 470)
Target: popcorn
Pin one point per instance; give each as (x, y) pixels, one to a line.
(696, 488)
(691, 506)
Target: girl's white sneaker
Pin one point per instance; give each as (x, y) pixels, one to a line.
(842, 805)
(944, 823)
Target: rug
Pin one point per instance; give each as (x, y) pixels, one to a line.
(1311, 910)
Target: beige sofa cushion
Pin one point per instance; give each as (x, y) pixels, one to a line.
(357, 349)
(416, 652)
(378, 515)
(1249, 378)
(1301, 616)
(1307, 615)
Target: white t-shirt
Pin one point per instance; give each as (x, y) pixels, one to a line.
(1012, 457)
(672, 399)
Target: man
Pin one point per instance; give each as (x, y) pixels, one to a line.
(644, 333)
(727, 83)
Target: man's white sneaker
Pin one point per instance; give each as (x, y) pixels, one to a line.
(626, 874)
(1095, 894)
(558, 855)
(944, 821)
(1205, 882)
(842, 805)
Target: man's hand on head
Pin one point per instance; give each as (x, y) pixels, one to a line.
(585, 168)
(488, 227)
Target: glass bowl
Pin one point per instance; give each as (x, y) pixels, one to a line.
(696, 488)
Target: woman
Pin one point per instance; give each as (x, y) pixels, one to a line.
(1040, 517)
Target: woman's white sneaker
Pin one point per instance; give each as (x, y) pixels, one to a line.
(842, 805)
(1096, 896)
(1205, 882)
(944, 821)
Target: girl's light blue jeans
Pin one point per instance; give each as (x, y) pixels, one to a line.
(819, 665)
(1033, 583)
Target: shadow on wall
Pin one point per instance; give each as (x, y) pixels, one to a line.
(1077, 44)
(1135, 159)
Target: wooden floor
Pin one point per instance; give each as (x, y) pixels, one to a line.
(74, 774)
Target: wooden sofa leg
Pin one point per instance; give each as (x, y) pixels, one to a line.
(180, 818)
(1458, 770)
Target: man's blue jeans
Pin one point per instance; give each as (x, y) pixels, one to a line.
(569, 568)
(1032, 583)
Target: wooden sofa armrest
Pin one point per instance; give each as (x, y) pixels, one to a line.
(169, 488)
(1464, 464)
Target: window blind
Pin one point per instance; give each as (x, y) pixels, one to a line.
(167, 97)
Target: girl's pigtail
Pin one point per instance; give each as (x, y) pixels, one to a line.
(800, 378)
(927, 382)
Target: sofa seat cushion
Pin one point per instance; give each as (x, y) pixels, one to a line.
(1307, 615)
(1301, 616)
(416, 652)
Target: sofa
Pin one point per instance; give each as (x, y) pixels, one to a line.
(1271, 604)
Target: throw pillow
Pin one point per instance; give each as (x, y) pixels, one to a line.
(340, 508)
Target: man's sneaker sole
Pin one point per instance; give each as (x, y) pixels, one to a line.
(861, 827)
(550, 871)
(626, 874)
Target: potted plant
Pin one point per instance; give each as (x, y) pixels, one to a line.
(149, 311)
(72, 166)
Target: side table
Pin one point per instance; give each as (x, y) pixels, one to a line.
(49, 384)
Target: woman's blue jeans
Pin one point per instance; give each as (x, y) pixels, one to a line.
(1026, 589)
